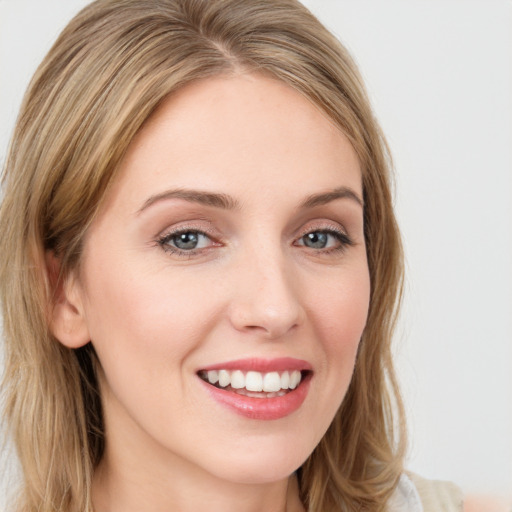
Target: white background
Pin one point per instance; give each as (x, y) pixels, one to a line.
(439, 75)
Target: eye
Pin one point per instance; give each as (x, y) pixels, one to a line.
(185, 241)
(326, 239)
(316, 240)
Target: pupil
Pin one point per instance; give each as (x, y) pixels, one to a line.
(186, 240)
(316, 240)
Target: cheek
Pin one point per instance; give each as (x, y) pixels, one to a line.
(144, 329)
(342, 310)
(147, 323)
(139, 319)
(337, 313)
(340, 318)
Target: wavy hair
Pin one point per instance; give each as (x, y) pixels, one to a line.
(108, 71)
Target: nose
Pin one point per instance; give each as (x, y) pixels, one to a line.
(266, 298)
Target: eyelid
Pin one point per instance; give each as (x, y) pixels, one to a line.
(197, 222)
(183, 228)
(325, 226)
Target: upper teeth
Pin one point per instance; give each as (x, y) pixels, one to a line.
(255, 381)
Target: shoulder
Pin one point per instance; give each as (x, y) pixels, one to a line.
(437, 495)
(416, 494)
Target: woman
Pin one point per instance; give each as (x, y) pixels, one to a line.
(202, 269)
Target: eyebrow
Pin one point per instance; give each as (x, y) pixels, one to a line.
(216, 200)
(226, 202)
(332, 195)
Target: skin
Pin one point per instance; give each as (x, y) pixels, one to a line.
(252, 288)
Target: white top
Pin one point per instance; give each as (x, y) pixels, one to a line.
(406, 497)
(416, 494)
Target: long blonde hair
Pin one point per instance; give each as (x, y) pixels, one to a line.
(106, 74)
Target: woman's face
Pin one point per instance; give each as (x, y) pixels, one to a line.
(231, 247)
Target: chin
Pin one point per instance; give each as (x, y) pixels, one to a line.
(257, 472)
(261, 464)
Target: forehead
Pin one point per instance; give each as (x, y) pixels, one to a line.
(239, 132)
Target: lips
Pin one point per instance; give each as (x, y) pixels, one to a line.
(259, 388)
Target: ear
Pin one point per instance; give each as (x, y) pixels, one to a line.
(66, 316)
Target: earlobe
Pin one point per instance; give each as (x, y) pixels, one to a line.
(66, 316)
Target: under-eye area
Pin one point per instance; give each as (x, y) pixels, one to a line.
(256, 384)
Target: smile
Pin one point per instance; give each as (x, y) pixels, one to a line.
(259, 389)
(254, 384)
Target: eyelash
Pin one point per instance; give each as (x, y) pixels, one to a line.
(163, 241)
